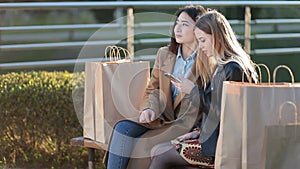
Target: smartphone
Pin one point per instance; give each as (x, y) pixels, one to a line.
(173, 78)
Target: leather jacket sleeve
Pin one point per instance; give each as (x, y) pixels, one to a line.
(213, 94)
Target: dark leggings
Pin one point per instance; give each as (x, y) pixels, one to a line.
(164, 156)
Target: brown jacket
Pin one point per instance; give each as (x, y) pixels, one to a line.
(158, 95)
(173, 120)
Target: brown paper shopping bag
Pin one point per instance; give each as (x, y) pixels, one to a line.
(282, 143)
(246, 109)
(113, 91)
(229, 146)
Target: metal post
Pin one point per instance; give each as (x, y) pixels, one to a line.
(91, 158)
(130, 32)
(247, 41)
(119, 14)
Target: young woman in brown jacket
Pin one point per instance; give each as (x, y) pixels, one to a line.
(162, 117)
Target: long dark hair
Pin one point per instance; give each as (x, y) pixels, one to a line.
(194, 12)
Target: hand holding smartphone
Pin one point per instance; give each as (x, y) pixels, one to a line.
(173, 78)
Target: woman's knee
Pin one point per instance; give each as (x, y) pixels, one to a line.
(129, 128)
(160, 149)
(120, 125)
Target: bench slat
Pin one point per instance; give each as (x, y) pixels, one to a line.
(86, 142)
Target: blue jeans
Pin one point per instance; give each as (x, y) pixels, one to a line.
(124, 138)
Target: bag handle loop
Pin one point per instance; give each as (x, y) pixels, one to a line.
(125, 52)
(295, 111)
(114, 53)
(259, 71)
(286, 67)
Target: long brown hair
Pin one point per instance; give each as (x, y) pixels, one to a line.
(225, 44)
(194, 11)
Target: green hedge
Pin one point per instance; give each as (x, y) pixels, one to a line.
(38, 119)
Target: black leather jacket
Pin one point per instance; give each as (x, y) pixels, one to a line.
(210, 104)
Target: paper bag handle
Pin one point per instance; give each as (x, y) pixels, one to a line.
(259, 71)
(114, 53)
(295, 111)
(286, 67)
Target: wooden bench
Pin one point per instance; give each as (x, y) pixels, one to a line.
(91, 145)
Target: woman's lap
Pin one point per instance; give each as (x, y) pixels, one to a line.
(165, 156)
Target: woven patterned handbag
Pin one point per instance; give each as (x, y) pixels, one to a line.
(191, 151)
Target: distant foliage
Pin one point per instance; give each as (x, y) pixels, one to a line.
(45, 17)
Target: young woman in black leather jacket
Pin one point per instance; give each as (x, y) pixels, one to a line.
(221, 58)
